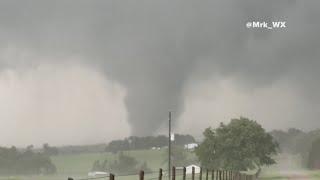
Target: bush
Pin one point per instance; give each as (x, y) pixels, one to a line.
(27, 163)
(124, 164)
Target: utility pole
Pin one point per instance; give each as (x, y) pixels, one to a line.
(169, 147)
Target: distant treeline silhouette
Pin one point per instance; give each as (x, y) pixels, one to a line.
(302, 143)
(78, 149)
(26, 162)
(148, 142)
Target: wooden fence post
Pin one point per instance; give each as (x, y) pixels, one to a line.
(220, 175)
(212, 175)
(223, 175)
(173, 173)
(141, 175)
(207, 174)
(226, 174)
(160, 174)
(192, 172)
(111, 176)
(200, 175)
(69, 178)
(184, 173)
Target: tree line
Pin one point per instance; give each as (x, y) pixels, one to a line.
(241, 144)
(297, 142)
(139, 143)
(26, 162)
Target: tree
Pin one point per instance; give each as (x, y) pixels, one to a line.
(49, 151)
(28, 162)
(240, 145)
(124, 164)
(295, 141)
(179, 157)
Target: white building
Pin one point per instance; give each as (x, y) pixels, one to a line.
(190, 146)
(189, 169)
(155, 148)
(97, 173)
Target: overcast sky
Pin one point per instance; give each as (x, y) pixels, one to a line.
(79, 72)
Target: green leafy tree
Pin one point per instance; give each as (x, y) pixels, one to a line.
(179, 157)
(290, 140)
(49, 151)
(25, 162)
(240, 145)
(125, 164)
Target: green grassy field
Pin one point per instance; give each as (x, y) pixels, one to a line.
(78, 165)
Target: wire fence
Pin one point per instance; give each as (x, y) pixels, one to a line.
(180, 173)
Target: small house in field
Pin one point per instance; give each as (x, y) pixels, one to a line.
(189, 169)
(190, 146)
(97, 174)
(155, 148)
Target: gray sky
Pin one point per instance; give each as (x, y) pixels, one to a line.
(74, 72)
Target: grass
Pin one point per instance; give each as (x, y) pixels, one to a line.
(81, 164)
(78, 165)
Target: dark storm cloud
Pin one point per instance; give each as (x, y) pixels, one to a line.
(153, 47)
